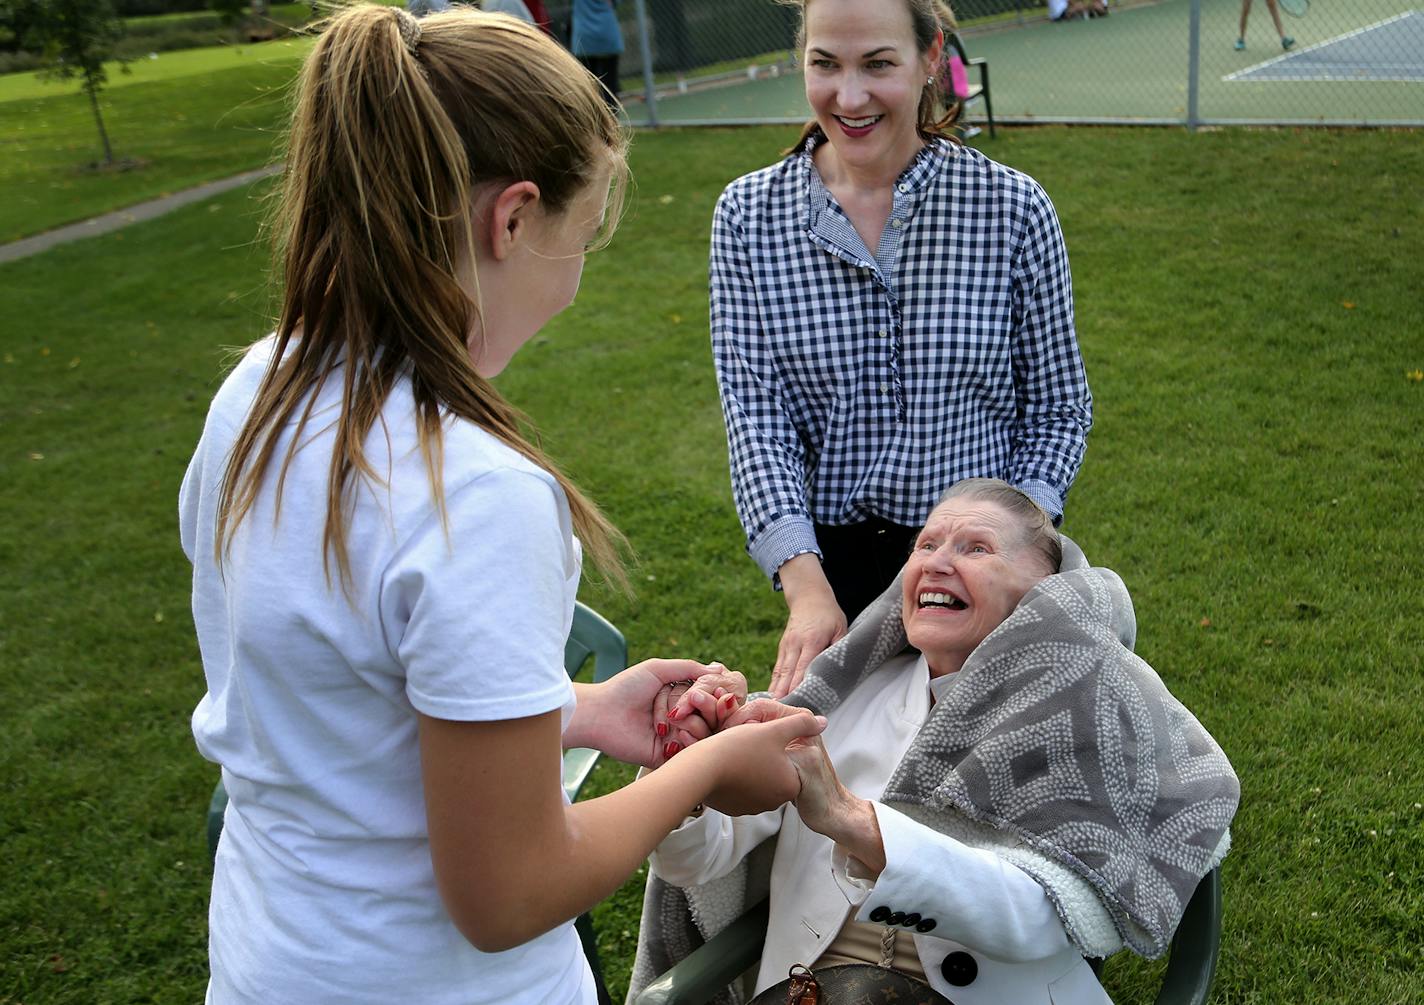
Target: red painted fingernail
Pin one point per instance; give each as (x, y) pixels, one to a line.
(674, 713)
(671, 748)
(730, 701)
(662, 728)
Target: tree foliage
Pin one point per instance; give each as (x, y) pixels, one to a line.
(230, 11)
(76, 38)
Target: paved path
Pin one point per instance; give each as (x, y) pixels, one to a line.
(133, 214)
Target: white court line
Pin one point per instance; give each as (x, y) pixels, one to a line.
(1318, 45)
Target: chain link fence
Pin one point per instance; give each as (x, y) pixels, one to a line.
(1187, 62)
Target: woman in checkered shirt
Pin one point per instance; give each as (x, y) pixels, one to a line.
(891, 312)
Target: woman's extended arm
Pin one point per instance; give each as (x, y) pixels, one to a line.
(512, 859)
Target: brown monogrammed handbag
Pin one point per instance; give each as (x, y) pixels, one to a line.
(849, 984)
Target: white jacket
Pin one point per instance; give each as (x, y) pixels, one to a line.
(985, 932)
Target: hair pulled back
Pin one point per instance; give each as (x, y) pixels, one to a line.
(937, 112)
(1039, 534)
(396, 126)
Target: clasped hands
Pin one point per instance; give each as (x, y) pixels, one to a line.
(714, 704)
(758, 754)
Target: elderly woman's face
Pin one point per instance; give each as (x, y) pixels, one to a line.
(969, 570)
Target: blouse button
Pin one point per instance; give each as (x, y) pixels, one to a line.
(903, 187)
(897, 223)
(884, 388)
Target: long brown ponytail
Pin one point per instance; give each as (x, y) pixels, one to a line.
(396, 122)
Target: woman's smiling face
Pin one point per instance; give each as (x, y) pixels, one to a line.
(970, 568)
(864, 77)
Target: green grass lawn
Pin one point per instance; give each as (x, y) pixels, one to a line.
(1254, 476)
(183, 118)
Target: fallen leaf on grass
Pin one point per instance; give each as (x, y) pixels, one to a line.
(1349, 305)
(1205, 622)
(1415, 375)
(35, 455)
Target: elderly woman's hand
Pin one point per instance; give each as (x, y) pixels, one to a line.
(828, 807)
(715, 696)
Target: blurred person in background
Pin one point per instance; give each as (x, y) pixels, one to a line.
(598, 42)
(1286, 40)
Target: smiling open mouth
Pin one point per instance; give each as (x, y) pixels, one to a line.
(864, 123)
(948, 601)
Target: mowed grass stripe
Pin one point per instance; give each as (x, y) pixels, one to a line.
(177, 131)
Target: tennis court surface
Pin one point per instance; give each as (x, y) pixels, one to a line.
(1355, 62)
(1390, 50)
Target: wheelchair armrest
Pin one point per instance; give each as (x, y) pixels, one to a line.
(1195, 947)
(712, 966)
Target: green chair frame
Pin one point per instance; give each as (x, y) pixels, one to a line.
(591, 635)
(979, 90)
(1191, 967)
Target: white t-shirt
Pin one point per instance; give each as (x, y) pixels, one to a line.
(323, 889)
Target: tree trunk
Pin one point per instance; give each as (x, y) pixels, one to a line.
(99, 120)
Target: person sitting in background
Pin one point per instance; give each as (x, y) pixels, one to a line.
(1066, 10)
(1002, 788)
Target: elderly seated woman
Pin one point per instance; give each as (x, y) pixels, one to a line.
(1003, 788)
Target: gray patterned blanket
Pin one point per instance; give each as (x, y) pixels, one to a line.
(1058, 748)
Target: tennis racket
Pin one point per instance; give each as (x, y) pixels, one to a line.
(1295, 8)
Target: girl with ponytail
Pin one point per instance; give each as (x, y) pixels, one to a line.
(385, 563)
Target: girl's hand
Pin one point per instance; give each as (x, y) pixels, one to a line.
(715, 696)
(676, 731)
(750, 762)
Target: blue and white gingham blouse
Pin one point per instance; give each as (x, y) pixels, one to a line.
(856, 384)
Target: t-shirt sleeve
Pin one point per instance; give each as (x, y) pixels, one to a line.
(477, 614)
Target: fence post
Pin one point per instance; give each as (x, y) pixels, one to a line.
(649, 92)
(1193, 68)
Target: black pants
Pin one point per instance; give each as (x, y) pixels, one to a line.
(861, 559)
(605, 68)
